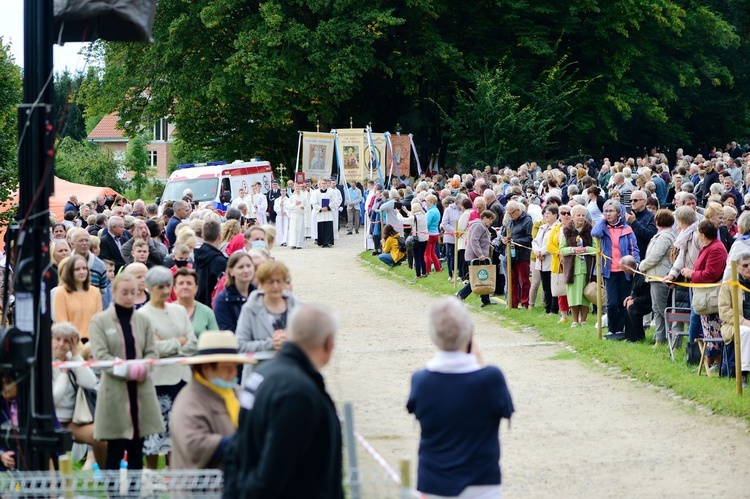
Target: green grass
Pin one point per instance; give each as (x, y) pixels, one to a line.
(637, 360)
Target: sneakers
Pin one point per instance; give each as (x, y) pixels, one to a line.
(620, 336)
(487, 304)
(563, 320)
(575, 324)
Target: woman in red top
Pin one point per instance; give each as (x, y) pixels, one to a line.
(709, 267)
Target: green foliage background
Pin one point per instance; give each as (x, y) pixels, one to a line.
(482, 82)
(10, 97)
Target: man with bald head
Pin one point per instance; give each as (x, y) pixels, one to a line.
(637, 305)
(288, 443)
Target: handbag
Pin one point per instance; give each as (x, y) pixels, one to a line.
(706, 300)
(559, 288)
(482, 277)
(589, 292)
(85, 405)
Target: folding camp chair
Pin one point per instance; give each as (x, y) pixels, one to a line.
(674, 316)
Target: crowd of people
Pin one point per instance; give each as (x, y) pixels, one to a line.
(131, 281)
(659, 224)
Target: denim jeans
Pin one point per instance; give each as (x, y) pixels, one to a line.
(466, 291)
(386, 258)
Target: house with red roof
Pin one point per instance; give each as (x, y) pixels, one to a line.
(110, 138)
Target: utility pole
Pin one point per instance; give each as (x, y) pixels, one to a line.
(37, 440)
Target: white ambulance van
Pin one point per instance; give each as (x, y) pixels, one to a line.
(209, 181)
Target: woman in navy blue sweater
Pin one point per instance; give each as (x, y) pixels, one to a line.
(238, 286)
(459, 405)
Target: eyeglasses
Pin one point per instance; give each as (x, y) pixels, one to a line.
(745, 265)
(513, 212)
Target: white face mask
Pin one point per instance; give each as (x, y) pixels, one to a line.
(259, 245)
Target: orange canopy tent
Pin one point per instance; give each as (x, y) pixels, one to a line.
(85, 193)
(65, 189)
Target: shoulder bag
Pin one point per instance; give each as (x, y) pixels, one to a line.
(85, 406)
(706, 300)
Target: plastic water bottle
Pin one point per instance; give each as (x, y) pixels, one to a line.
(97, 472)
(124, 484)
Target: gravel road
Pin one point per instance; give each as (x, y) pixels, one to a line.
(580, 430)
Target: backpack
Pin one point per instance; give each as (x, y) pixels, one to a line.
(401, 244)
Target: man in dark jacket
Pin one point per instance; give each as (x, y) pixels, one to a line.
(272, 195)
(71, 204)
(520, 224)
(112, 241)
(638, 304)
(641, 220)
(210, 262)
(288, 443)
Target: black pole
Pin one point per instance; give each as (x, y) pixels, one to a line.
(36, 170)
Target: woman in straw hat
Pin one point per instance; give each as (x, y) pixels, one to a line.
(206, 411)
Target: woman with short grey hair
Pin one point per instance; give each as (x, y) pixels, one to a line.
(459, 405)
(173, 337)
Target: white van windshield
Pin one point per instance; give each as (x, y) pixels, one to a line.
(204, 189)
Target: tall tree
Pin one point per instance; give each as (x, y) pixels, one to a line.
(83, 162)
(69, 112)
(240, 78)
(137, 163)
(10, 98)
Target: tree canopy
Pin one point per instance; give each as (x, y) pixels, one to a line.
(10, 97)
(528, 79)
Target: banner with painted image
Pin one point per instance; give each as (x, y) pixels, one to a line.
(378, 140)
(401, 155)
(317, 154)
(353, 142)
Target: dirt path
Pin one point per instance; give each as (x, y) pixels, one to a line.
(578, 431)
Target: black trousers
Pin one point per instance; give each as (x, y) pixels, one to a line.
(419, 264)
(550, 302)
(116, 449)
(634, 321)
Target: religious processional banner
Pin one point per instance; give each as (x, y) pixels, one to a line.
(317, 154)
(370, 168)
(353, 142)
(401, 155)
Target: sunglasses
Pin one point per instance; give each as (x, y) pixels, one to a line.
(564, 213)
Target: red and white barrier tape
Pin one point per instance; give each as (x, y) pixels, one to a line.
(149, 362)
(378, 458)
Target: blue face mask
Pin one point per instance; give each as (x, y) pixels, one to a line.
(227, 385)
(259, 245)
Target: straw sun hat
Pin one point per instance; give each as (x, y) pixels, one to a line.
(218, 346)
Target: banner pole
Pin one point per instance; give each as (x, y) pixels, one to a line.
(508, 280)
(299, 149)
(416, 156)
(736, 312)
(599, 290)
